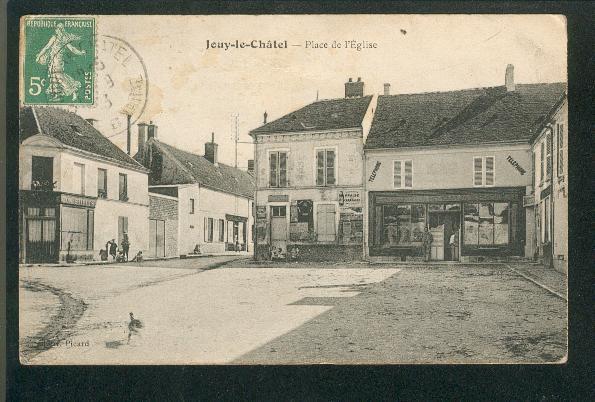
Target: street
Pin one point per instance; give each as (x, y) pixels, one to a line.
(220, 310)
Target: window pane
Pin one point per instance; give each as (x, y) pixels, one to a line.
(486, 223)
(273, 169)
(123, 190)
(489, 171)
(330, 167)
(408, 174)
(320, 168)
(471, 224)
(282, 169)
(418, 221)
(101, 182)
(477, 171)
(397, 174)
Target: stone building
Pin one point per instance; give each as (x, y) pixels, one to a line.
(308, 172)
(77, 190)
(458, 163)
(214, 200)
(550, 182)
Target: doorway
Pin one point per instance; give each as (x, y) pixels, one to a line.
(41, 241)
(278, 231)
(444, 225)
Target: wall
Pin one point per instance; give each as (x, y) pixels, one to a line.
(448, 168)
(166, 209)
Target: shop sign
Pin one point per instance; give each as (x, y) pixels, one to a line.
(350, 198)
(77, 200)
(516, 165)
(261, 212)
(278, 198)
(375, 171)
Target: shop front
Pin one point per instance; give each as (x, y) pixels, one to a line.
(56, 227)
(463, 223)
(236, 233)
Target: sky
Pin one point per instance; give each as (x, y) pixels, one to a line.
(194, 91)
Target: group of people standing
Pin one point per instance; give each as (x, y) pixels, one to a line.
(111, 249)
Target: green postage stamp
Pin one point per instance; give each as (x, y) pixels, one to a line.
(59, 61)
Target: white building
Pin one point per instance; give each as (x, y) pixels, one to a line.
(77, 189)
(550, 198)
(214, 200)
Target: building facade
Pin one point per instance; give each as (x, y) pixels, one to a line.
(550, 195)
(308, 168)
(214, 200)
(457, 163)
(77, 190)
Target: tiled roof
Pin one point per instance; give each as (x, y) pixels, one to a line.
(196, 168)
(470, 116)
(71, 130)
(321, 115)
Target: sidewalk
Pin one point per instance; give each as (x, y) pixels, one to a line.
(547, 278)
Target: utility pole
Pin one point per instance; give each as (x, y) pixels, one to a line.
(235, 134)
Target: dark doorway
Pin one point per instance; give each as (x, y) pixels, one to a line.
(445, 223)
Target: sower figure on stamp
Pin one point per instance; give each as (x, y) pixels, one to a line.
(125, 245)
(52, 54)
(427, 239)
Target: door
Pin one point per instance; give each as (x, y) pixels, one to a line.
(41, 241)
(326, 223)
(278, 231)
(156, 238)
(452, 233)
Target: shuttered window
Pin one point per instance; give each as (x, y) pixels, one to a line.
(325, 222)
(548, 147)
(325, 167)
(489, 170)
(403, 174)
(560, 149)
(478, 171)
(123, 187)
(278, 169)
(483, 171)
(541, 162)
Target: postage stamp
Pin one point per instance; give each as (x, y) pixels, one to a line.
(59, 60)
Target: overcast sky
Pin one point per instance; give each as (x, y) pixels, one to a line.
(194, 91)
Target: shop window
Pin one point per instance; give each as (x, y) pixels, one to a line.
(102, 183)
(123, 187)
(78, 178)
(403, 224)
(486, 224)
(76, 228)
(560, 164)
(325, 167)
(42, 173)
(403, 174)
(278, 169)
(325, 222)
(483, 171)
(221, 230)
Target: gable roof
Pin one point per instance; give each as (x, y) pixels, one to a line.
(328, 114)
(71, 130)
(471, 116)
(197, 169)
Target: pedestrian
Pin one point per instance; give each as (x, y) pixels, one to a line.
(125, 245)
(454, 244)
(113, 248)
(427, 239)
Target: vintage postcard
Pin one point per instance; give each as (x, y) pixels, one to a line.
(293, 189)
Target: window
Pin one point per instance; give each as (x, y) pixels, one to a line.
(278, 169)
(191, 205)
(541, 162)
(122, 228)
(76, 228)
(221, 230)
(325, 222)
(548, 147)
(403, 224)
(278, 211)
(78, 178)
(486, 224)
(402, 174)
(42, 173)
(209, 230)
(325, 167)
(483, 171)
(560, 128)
(101, 183)
(123, 192)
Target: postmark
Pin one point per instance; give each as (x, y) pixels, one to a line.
(59, 60)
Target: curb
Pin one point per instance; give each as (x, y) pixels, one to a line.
(534, 281)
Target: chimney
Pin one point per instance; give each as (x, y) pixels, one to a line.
(265, 117)
(151, 131)
(354, 89)
(128, 133)
(509, 78)
(386, 89)
(91, 121)
(142, 136)
(211, 151)
(251, 166)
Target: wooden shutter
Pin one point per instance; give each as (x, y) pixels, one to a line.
(560, 149)
(282, 169)
(397, 179)
(320, 168)
(489, 170)
(330, 167)
(408, 174)
(548, 144)
(273, 182)
(477, 171)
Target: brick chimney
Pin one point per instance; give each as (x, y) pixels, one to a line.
(509, 78)
(265, 117)
(387, 89)
(354, 89)
(211, 151)
(251, 166)
(151, 131)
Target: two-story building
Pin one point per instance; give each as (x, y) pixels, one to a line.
(308, 168)
(214, 200)
(77, 190)
(458, 163)
(550, 198)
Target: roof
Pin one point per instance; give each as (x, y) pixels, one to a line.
(332, 114)
(471, 116)
(197, 169)
(71, 130)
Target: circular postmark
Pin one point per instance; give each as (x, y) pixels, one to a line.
(121, 86)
